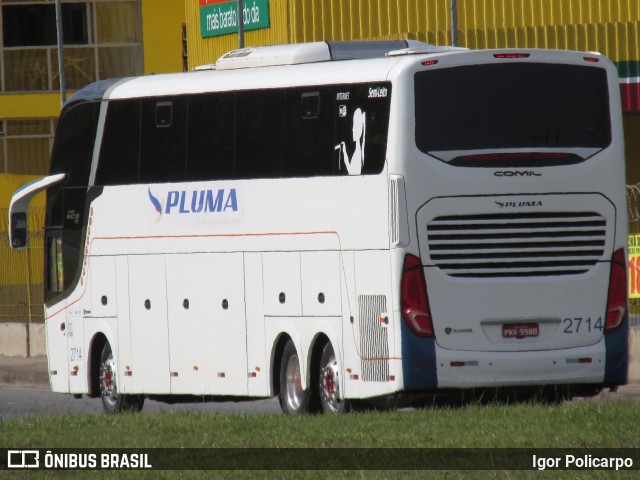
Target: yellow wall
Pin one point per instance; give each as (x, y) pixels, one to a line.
(162, 22)
(29, 105)
(11, 183)
(610, 26)
(206, 51)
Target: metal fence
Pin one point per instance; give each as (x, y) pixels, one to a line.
(21, 272)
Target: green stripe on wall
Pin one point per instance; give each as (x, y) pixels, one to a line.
(628, 69)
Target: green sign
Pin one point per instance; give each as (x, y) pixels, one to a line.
(220, 17)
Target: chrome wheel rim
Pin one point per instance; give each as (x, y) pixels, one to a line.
(294, 390)
(330, 384)
(108, 388)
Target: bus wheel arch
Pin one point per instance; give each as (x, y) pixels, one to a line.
(95, 351)
(276, 360)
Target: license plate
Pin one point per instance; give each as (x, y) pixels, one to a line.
(520, 330)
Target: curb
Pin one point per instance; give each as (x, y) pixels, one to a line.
(24, 372)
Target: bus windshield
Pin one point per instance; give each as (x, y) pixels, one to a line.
(538, 107)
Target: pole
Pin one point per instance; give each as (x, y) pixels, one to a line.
(240, 24)
(29, 312)
(61, 75)
(454, 23)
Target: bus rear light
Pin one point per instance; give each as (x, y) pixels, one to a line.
(511, 55)
(617, 296)
(517, 159)
(580, 360)
(414, 302)
(472, 363)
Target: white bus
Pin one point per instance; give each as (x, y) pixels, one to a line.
(334, 222)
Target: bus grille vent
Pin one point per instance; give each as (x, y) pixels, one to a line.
(517, 244)
(374, 341)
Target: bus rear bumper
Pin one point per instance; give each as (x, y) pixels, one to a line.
(456, 369)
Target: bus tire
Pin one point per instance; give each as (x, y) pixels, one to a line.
(113, 402)
(331, 400)
(294, 399)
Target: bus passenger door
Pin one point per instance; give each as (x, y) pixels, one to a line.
(56, 315)
(149, 330)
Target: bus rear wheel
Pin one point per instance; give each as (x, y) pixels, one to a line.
(112, 401)
(331, 399)
(294, 399)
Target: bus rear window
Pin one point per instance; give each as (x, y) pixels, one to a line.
(531, 106)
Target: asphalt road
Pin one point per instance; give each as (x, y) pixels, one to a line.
(17, 401)
(22, 401)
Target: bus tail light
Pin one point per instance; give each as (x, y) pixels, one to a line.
(414, 302)
(516, 159)
(511, 55)
(617, 297)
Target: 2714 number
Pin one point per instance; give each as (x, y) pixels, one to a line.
(75, 354)
(578, 324)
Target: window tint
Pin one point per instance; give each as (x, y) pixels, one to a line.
(73, 148)
(163, 145)
(120, 150)
(310, 125)
(260, 134)
(295, 132)
(211, 136)
(512, 105)
(362, 124)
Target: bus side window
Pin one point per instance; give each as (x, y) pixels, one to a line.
(211, 136)
(163, 139)
(310, 105)
(55, 270)
(120, 150)
(362, 124)
(75, 136)
(260, 135)
(310, 126)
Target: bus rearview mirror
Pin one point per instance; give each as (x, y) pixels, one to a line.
(19, 230)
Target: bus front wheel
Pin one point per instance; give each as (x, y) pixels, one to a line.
(294, 398)
(112, 401)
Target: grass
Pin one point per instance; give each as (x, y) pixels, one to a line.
(580, 424)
